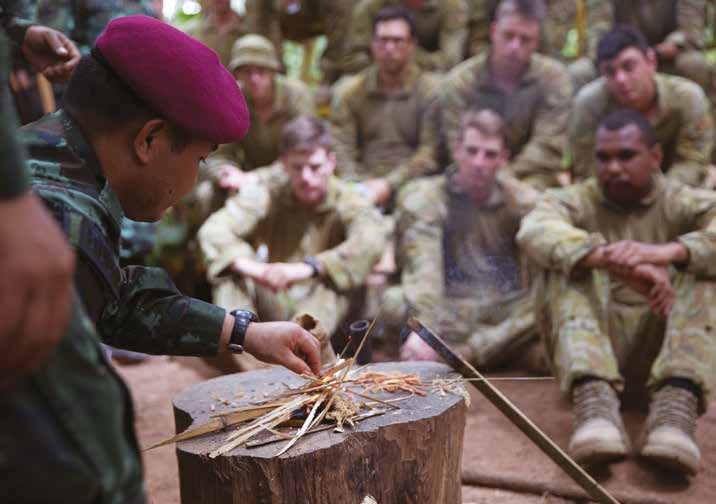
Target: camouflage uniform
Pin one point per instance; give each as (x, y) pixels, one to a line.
(314, 18)
(682, 22)
(461, 270)
(682, 123)
(220, 39)
(441, 27)
(385, 135)
(71, 420)
(345, 235)
(596, 327)
(291, 98)
(535, 113)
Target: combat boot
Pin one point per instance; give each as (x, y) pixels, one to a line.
(599, 434)
(670, 430)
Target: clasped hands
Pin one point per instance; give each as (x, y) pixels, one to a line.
(276, 276)
(641, 266)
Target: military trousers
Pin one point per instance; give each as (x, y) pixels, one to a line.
(489, 333)
(589, 333)
(313, 297)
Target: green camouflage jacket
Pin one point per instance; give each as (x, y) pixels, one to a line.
(569, 223)
(449, 247)
(682, 123)
(385, 135)
(441, 27)
(535, 113)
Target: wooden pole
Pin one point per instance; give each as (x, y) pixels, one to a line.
(47, 95)
(513, 413)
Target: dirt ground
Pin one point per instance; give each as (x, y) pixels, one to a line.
(512, 458)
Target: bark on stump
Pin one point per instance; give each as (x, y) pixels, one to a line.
(410, 455)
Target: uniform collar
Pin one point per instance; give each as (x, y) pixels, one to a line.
(407, 89)
(659, 185)
(495, 200)
(484, 70)
(83, 149)
(289, 201)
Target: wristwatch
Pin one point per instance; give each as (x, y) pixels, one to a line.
(242, 319)
(314, 264)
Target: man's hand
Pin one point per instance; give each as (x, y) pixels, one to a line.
(284, 343)
(415, 349)
(281, 276)
(667, 50)
(50, 52)
(379, 191)
(627, 254)
(595, 259)
(652, 282)
(36, 270)
(232, 179)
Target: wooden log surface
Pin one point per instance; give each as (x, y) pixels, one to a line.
(410, 455)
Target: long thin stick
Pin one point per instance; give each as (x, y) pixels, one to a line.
(513, 413)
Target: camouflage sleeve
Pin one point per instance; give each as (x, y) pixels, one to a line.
(152, 316)
(520, 197)
(223, 238)
(541, 159)
(699, 209)
(452, 40)
(695, 139)
(480, 17)
(423, 161)
(344, 130)
(302, 102)
(13, 175)
(357, 44)
(347, 265)
(691, 21)
(599, 19)
(338, 14)
(231, 154)
(583, 122)
(548, 234)
(419, 251)
(453, 99)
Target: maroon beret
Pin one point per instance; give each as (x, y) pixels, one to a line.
(179, 77)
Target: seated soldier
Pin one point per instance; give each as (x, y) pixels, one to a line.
(218, 27)
(380, 116)
(629, 258)
(532, 92)
(676, 108)
(273, 101)
(675, 29)
(320, 235)
(440, 31)
(461, 270)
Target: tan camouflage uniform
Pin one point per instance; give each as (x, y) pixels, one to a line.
(221, 39)
(314, 18)
(682, 124)
(535, 113)
(345, 235)
(385, 135)
(596, 327)
(462, 273)
(441, 29)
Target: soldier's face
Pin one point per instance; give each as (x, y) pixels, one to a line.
(309, 172)
(625, 164)
(392, 45)
(514, 39)
(630, 78)
(256, 81)
(478, 157)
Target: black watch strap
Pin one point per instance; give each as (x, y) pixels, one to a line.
(314, 264)
(242, 319)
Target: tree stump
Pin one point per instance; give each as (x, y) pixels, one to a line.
(409, 455)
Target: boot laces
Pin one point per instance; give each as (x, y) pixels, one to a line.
(595, 399)
(675, 407)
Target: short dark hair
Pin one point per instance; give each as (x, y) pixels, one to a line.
(531, 9)
(101, 102)
(625, 117)
(305, 133)
(619, 38)
(393, 12)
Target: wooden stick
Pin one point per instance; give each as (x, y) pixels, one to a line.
(513, 413)
(47, 94)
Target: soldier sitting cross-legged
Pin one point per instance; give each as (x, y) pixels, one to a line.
(629, 295)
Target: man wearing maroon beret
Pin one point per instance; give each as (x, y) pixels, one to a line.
(139, 115)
